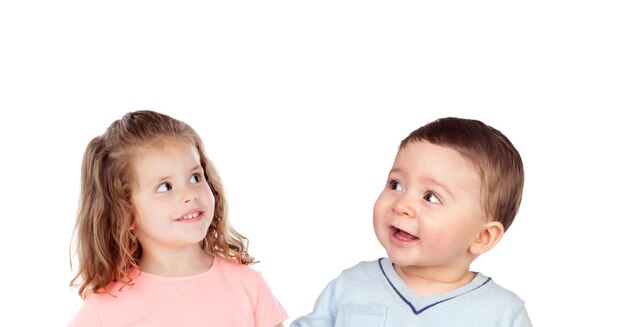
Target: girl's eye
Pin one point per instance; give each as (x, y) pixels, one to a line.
(163, 187)
(431, 197)
(395, 185)
(195, 178)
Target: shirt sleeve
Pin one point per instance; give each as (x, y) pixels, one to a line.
(324, 313)
(268, 311)
(521, 319)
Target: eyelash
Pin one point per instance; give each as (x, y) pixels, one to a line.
(433, 194)
(169, 186)
(393, 184)
(199, 178)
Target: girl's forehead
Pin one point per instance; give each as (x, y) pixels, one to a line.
(164, 156)
(158, 145)
(163, 141)
(165, 149)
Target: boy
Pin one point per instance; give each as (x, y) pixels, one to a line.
(454, 189)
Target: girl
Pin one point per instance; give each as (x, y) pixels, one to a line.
(152, 237)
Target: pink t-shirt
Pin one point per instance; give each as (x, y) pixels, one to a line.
(228, 294)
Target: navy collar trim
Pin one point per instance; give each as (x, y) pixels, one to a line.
(415, 311)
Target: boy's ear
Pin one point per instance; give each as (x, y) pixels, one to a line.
(488, 237)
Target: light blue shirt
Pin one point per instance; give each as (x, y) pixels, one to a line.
(372, 294)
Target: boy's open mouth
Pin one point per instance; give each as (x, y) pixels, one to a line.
(402, 235)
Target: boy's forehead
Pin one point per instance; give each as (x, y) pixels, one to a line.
(440, 161)
(424, 150)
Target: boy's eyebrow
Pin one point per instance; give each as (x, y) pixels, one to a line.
(426, 180)
(432, 180)
(395, 170)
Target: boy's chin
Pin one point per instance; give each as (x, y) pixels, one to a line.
(401, 263)
(401, 260)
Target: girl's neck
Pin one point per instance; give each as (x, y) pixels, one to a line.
(427, 281)
(176, 263)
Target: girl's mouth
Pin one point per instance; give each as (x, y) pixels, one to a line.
(191, 217)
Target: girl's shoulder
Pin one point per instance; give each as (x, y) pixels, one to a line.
(97, 302)
(233, 268)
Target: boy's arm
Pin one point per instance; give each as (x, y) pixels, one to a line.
(324, 312)
(521, 319)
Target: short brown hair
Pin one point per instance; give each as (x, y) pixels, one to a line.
(493, 155)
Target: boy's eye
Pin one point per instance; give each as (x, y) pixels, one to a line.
(195, 178)
(395, 185)
(431, 197)
(163, 187)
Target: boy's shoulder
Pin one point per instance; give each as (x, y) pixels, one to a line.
(378, 275)
(497, 295)
(365, 275)
(364, 268)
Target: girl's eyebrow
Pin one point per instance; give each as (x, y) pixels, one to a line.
(166, 177)
(160, 179)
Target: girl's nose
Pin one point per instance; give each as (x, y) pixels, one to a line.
(190, 195)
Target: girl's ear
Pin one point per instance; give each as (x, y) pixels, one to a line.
(488, 237)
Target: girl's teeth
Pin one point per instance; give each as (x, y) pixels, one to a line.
(192, 215)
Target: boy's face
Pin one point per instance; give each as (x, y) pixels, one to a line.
(430, 211)
(173, 202)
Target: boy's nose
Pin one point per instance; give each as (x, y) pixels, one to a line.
(404, 207)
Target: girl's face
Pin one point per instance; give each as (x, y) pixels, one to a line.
(173, 202)
(430, 212)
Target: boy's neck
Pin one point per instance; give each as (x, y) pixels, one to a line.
(427, 281)
(175, 263)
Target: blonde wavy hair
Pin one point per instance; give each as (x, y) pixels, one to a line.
(104, 246)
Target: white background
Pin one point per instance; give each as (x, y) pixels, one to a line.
(302, 106)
